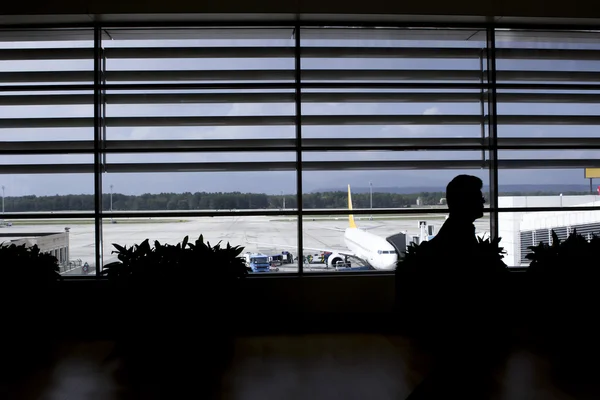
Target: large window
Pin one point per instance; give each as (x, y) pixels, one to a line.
(259, 137)
(395, 114)
(548, 117)
(47, 141)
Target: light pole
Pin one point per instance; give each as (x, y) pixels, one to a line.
(3, 199)
(371, 199)
(561, 199)
(111, 217)
(283, 198)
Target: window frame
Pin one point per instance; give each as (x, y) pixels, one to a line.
(99, 146)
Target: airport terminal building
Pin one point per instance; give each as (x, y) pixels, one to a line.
(519, 230)
(56, 244)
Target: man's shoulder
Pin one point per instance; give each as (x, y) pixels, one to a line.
(433, 247)
(441, 239)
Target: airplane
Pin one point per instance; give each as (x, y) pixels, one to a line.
(371, 249)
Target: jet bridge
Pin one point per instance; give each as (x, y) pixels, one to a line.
(399, 241)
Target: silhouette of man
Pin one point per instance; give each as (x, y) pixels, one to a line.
(465, 204)
(462, 368)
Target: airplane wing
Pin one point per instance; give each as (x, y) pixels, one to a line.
(339, 251)
(333, 229)
(366, 228)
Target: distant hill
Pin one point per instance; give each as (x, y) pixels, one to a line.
(396, 190)
(554, 188)
(524, 189)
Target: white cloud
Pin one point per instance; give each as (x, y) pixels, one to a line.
(431, 111)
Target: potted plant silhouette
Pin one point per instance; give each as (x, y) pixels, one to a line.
(28, 266)
(576, 254)
(436, 289)
(30, 280)
(145, 268)
(451, 300)
(562, 278)
(171, 298)
(485, 257)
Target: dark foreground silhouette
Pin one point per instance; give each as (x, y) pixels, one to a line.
(465, 205)
(450, 285)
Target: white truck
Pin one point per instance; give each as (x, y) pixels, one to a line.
(258, 262)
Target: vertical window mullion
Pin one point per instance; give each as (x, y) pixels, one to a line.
(298, 115)
(98, 121)
(103, 103)
(492, 129)
(482, 103)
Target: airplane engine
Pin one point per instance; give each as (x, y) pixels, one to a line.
(335, 260)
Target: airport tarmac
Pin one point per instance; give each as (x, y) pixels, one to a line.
(271, 232)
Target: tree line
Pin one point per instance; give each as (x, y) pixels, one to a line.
(212, 201)
(225, 201)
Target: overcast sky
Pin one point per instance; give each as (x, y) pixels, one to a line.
(276, 182)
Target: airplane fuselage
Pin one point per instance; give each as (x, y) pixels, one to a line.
(371, 248)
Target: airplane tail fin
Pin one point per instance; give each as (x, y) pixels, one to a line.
(350, 216)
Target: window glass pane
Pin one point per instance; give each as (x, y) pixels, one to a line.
(392, 83)
(514, 225)
(532, 228)
(207, 69)
(267, 240)
(175, 189)
(275, 237)
(200, 114)
(58, 182)
(409, 159)
(418, 197)
(395, 114)
(547, 123)
(186, 161)
(28, 61)
(549, 155)
(519, 230)
(393, 185)
(538, 55)
(200, 128)
(548, 181)
(377, 241)
(46, 143)
(37, 59)
(70, 240)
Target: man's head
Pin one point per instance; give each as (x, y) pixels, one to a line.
(464, 197)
